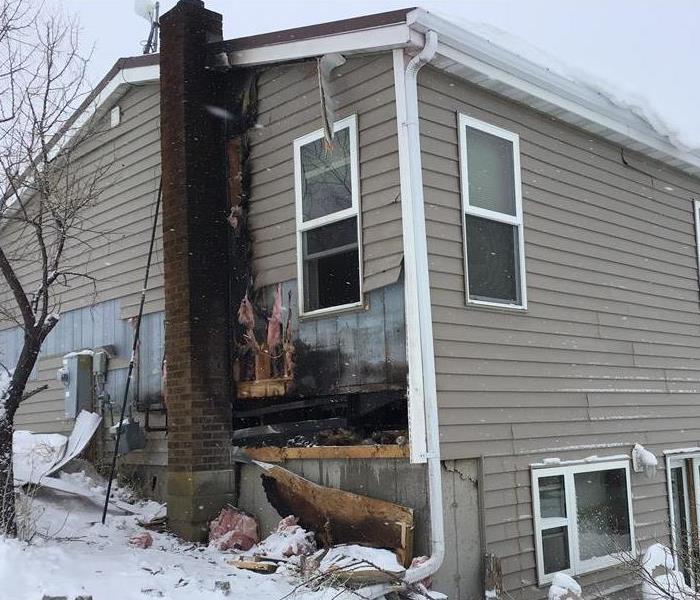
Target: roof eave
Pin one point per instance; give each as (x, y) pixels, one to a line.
(474, 58)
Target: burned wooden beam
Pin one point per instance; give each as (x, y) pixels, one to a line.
(338, 517)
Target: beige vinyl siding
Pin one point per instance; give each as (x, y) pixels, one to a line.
(607, 354)
(45, 412)
(113, 250)
(116, 231)
(288, 108)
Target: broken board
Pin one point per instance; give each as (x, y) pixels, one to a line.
(254, 565)
(337, 516)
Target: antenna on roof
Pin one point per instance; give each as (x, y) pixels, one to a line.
(149, 11)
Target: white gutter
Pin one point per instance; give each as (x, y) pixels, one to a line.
(423, 409)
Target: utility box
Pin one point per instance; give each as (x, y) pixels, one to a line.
(76, 375)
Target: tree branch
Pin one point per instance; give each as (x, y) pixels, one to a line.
(17, 290)
(34, 392)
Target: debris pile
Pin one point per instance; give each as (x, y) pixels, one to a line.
(290, 539)
(141, 540)
(332, 539)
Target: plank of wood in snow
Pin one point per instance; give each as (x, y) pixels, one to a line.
(337, 516)
(253, 565)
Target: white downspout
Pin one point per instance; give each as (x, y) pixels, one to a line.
(419, 325)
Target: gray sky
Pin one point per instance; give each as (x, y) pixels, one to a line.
(647, 51)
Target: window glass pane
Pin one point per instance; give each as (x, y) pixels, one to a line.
(492, 266)
(603, 517)
(552, 497)
(680, 521)
(490, 172)
(325, 176)
(555, 549)
(331, 265)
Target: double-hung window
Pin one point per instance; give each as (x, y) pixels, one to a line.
(582, 516)
(329, 249)
(493, 214)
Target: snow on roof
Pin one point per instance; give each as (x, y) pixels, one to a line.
(511, 67)
(676, 128)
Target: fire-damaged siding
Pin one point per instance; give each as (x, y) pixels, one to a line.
(289, 107)
(607, 353)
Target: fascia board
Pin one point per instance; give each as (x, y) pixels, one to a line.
(366, 41)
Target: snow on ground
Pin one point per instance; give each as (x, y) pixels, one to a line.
(71, 553)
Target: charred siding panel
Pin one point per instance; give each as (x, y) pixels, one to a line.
(607, 353)
(289, 108)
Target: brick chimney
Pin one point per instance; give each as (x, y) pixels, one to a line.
(200, 479)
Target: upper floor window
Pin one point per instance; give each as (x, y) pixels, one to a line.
(493, 214)
(329, 257)
(583, 517)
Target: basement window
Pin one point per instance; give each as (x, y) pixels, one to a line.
(328, 221)
(493, 216)
(583, 518)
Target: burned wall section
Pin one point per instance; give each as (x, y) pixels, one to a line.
(323, 379)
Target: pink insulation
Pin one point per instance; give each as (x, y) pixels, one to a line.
(233, 530)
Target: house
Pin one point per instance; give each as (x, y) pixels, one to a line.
(407, 263)
(122, 113)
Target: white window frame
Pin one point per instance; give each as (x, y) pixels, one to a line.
(696, 216)
(577, 566)
(678, 459)
(467, 209)
(302, 226)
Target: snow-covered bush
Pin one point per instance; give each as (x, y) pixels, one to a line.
(660, 579)
(564, 588)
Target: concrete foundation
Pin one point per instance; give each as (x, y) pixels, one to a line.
(460, 576)
(195, 498)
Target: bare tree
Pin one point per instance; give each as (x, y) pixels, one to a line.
(46, 185)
